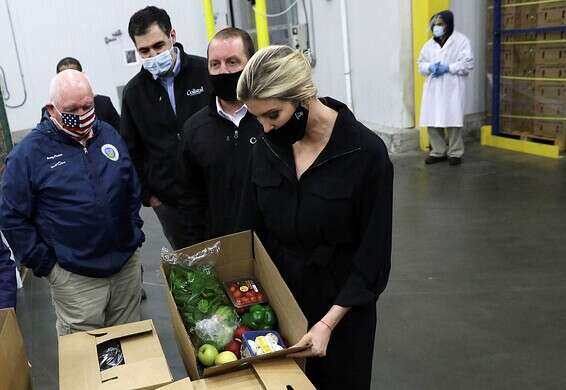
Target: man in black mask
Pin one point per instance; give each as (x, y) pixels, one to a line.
(217, 142)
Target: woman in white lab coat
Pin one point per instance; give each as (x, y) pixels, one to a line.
(446, 59)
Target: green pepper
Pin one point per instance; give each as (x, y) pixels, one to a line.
(269, 317)
(257, 308)
(260, 317)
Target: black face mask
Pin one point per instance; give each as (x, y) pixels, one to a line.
(292, 131)
(225, 85)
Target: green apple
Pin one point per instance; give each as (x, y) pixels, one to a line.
(207, 354)
(225, 357)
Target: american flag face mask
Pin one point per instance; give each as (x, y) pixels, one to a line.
(77, 126)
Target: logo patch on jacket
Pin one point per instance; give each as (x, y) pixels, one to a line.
(110, 152)
(195, 91)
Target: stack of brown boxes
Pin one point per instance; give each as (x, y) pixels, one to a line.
(533, 70)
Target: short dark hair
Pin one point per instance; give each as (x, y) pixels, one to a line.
(69, 62)
(234, 32)
(143, 19)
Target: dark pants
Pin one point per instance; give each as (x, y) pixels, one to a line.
(174, 225)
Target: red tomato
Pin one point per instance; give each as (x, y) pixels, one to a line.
(237, 294)
(239, 332)
(245, 300)
(233, 288)
(259, 297)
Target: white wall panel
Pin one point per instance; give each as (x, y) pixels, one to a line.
(470, 19)
(380, 50)
(47, 31)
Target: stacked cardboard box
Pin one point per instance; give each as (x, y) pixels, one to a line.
(143, 366)
(533, 70)
(14, 370)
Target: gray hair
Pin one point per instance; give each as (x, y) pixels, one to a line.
(277, 72)
(67, 78)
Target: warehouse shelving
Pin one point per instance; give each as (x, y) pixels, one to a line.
(530, 121)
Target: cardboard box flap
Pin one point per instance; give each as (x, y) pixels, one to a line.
(153, 370)
(121, 331)
(183, 384)
(216, 370)
(241, 380)
(14, 370)
(281, 374)
(78, 362)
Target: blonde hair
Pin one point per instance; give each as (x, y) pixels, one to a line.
(277, 72)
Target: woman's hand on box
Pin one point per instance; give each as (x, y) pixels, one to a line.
(317, 338)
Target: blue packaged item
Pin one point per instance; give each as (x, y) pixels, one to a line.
(261, 342)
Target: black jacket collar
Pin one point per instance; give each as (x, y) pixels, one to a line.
(345, 136)
(345, 139)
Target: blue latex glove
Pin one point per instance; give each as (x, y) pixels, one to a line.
(441, 69)
(433, 68)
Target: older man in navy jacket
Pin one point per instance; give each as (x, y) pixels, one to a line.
(70, 210)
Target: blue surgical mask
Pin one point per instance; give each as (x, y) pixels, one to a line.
(159, 64)
(438, 31)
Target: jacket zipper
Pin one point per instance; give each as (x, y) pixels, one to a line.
(333, 157)
(277, 155)
(312, 166)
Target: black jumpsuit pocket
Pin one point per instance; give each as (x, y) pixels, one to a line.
(331, 203)
(269, 194)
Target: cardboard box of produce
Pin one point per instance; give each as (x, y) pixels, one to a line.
(242, 255)
(14, 369)
(276, 374)
(144, 365)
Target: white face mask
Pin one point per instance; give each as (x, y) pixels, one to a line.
(159, 64)
(438, 31)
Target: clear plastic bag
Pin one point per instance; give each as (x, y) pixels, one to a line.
(110, 355)
(217, 330)
(207, 255)
(193, 282)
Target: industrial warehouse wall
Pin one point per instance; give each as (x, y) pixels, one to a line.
(44, 35)
(470, 19)
(379, 33)
(380, 54)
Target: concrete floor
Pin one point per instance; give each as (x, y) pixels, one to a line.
(476, 298)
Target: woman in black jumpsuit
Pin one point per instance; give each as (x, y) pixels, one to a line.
(320, 196)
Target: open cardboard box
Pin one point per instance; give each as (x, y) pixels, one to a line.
(144, 365)
(274, 374)
(242, 255)
(14, 369)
